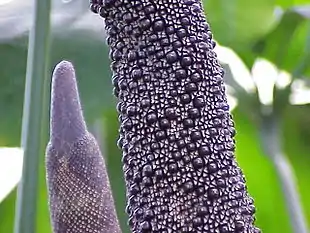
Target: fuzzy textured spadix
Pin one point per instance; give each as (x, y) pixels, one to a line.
(80, 197)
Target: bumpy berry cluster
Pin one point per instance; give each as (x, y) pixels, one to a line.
(176, 132)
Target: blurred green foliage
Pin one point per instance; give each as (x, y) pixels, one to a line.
(251, 29)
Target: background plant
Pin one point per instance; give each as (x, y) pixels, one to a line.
(276, 30)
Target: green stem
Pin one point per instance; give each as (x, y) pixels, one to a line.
(270, 138)
(34, 100)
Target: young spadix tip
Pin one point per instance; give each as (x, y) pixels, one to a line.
(80, 197)
(67, 121)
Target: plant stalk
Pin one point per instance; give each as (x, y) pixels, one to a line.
(270, 138)
(34, 101)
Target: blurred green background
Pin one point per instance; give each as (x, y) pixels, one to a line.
(276, 30)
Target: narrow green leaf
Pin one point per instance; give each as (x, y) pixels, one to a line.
(36, 79)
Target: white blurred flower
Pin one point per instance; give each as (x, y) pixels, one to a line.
(11, 162)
